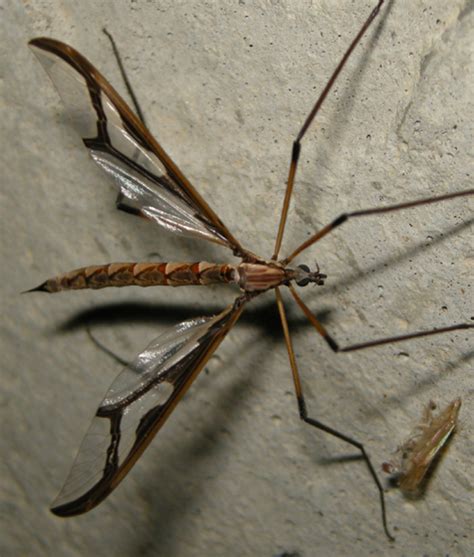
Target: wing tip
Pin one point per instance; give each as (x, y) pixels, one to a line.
(36, 41)
(71, 508)
(41, 43)
(47, 44)
(65, 510)
(59, 511)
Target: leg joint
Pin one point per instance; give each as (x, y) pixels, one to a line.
(302, 408)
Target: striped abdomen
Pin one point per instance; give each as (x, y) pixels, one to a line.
(142, 274)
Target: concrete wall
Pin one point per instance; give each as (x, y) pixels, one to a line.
(225, 87)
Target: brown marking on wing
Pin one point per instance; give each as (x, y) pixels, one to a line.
(181, 375)
(175, 181)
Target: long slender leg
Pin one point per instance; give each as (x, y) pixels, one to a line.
(104, 348)
(295, 153)
(319, 425)
(368, 212)
(387, 340)
(123, 73)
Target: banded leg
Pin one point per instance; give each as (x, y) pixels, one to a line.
(123, 73)
(387, 340)
(369, 212)
(320, 425)
(295, 153)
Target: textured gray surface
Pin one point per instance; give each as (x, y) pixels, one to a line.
(225, 87)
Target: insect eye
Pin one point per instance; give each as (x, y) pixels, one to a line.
(304, 268)
(302, 282)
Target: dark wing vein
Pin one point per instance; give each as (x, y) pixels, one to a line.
(150, 183)
(136, 406)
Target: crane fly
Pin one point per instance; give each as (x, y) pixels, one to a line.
(415, 457)
(151, 186)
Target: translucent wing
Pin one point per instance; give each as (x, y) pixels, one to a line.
(150, 184)
(415, 457)
(136, 406)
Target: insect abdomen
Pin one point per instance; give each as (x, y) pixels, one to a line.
(141, 274)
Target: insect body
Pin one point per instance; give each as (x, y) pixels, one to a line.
(150, 185)
(250, 277)
(414, 458)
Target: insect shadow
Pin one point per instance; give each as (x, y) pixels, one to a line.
(153, 187)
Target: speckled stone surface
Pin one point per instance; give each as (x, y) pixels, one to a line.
(225, 87)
